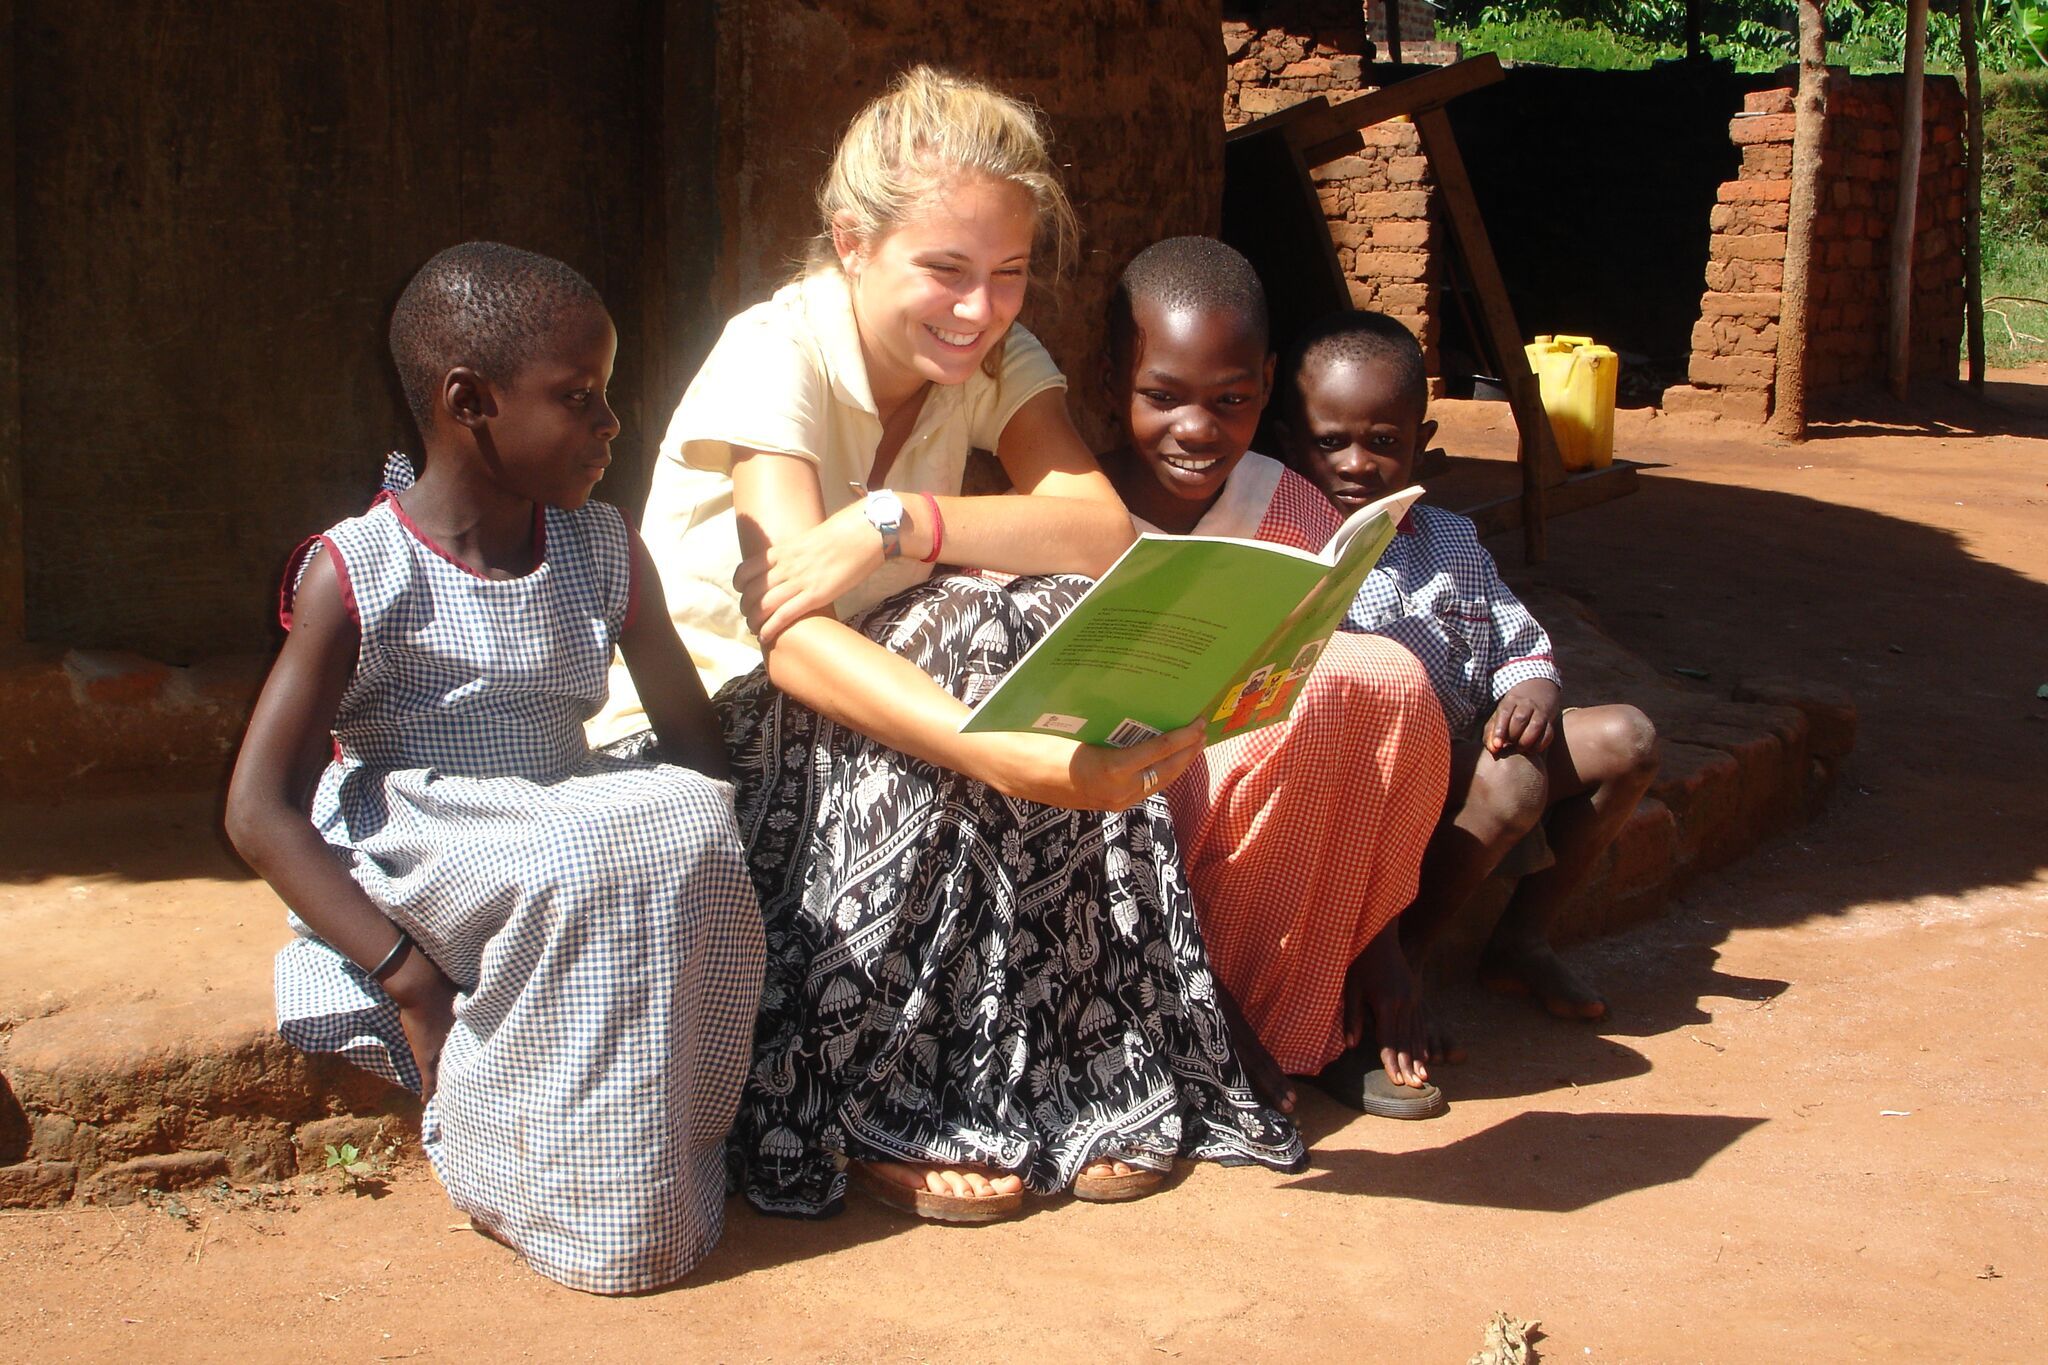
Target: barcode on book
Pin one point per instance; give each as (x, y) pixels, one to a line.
(1130, 732)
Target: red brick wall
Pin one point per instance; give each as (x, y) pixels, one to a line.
(1735, 342)
(1379, 205)
(1379, 202)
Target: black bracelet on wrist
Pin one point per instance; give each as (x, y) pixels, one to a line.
(393, 958)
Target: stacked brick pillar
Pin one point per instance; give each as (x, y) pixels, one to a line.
(1380, 201)
(1378, 204)
(1735, 342)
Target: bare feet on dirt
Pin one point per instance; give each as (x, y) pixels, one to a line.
(1383, 1001)
(1534, 969)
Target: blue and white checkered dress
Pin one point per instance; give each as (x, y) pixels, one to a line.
(596, 913)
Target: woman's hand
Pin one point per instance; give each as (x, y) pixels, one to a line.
(426, 1010)
(807, 572)
(1062, 772)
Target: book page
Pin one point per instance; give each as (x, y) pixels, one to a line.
(1158, 637)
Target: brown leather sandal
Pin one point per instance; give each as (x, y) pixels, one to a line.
(927, 1204)
(1117, 1189)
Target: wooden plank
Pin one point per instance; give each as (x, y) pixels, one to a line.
(1329, 136)
(1973, 198)
(1326, 131)
(1912, 130)
(1541, 466)
(1313, 109)
(1578, 492)
(13, 514)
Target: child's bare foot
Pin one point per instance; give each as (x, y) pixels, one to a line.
(1535, 969)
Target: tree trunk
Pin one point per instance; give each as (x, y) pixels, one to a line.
(1912, 129)
(1809, 136)
(1973, 195)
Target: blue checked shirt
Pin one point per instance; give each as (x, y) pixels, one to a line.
(1437, 591)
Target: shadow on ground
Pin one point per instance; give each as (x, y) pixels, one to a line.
(1542, 1161)
(1939, 647)
(164, 837)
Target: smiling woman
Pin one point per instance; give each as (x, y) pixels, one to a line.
(984, 972)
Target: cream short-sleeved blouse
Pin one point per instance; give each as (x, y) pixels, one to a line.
(787, 377)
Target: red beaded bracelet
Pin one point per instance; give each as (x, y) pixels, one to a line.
(938, 529)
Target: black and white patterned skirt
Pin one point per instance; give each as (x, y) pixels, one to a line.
(955, 977)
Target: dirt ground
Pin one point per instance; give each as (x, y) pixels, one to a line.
(1814, 1127)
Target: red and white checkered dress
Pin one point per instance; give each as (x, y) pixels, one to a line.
(1302, 840)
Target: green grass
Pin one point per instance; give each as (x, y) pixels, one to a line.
(2015, 215)
(1550, 41)
(2015, 265)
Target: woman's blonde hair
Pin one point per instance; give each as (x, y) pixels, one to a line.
(916, 138)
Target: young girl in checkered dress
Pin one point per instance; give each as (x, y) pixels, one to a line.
(560, 951)
(1303, 840)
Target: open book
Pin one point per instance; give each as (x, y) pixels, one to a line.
(1187, 626)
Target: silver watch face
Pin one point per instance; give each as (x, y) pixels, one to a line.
(884, 510)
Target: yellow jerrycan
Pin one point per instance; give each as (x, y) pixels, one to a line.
(1577, 378)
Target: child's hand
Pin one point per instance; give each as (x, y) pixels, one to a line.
(426, 1010)
(1525, 719)
(808, 572)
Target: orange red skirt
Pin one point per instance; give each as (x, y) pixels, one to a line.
(1301, 841)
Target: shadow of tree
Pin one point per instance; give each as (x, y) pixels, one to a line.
(1938, 645)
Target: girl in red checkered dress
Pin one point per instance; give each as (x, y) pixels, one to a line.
(1302, 841)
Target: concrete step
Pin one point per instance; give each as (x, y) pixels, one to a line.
(137, 1047)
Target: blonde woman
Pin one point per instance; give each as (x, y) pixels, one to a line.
(984, 973)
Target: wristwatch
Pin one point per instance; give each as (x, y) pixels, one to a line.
(884, 511)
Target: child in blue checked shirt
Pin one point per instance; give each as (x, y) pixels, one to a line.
(1353, 405)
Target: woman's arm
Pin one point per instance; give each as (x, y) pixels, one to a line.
(841, 674)
(666, 680)
(282, 755)
(1071, 521)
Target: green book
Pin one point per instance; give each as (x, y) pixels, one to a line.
(1187, 626)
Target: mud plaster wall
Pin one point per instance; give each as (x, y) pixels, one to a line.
(217, 203)
(1735, 342)
(1130, 88)
(1378, 202)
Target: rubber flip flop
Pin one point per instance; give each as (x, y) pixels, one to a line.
(927, 1204)
(1357, 1080)
(1117, 1189)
